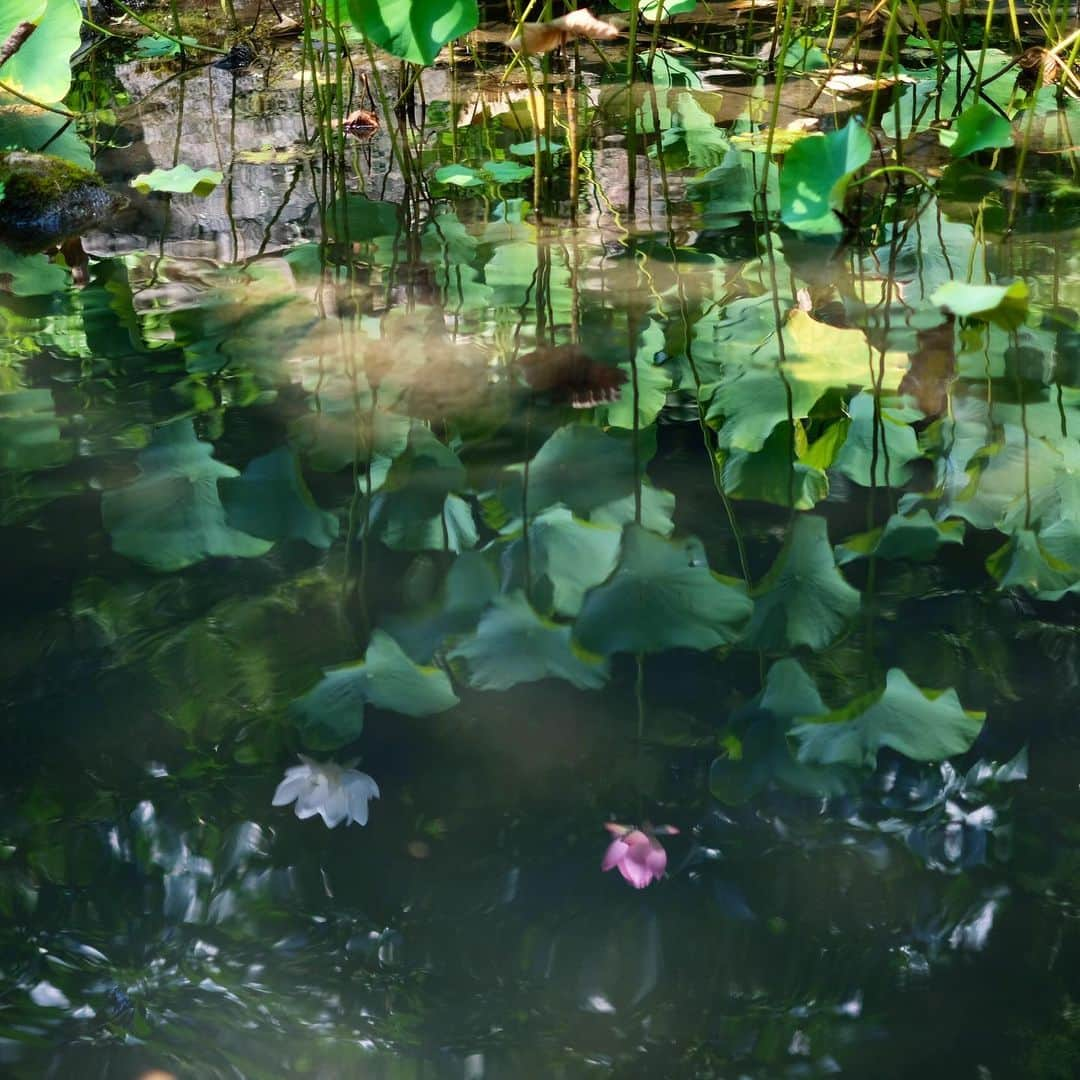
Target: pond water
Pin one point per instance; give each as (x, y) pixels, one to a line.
(567, 492)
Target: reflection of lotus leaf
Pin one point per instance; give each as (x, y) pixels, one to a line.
(916, 536)
(513, 645)
(923, 725)
(271, 500)
(332, 712)
(566, 556)
(763, 752)
(172, 516)
(1046, 565)
(804, 599)
(662, 596)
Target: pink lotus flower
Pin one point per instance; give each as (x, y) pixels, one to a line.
(636, 852)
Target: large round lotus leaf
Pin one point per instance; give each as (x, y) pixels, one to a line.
(803, 599)
(978, 127)
(513, 644)
(332, 712)
(270, 499)
(41, 69)
(815, 176)
(923, 725)
(1005, 305)
(414, 30)
(172, 516)
(662, 596)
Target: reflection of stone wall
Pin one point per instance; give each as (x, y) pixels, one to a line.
(211, 119)
(258, 129)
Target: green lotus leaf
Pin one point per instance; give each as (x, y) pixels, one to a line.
(172, 516)
(1046, 565)
(513, 644)
(41, 68)
(30, 431)
(657, 10)
(803, 599)
(1004, 305)
(506, 172)
(414, 30)
(923, 725)
(469, 587)
(528, 149)
(978, 127)
(332, 712)
(180, 180)
(459, 176)
(815, 175)
(774, 475)
(662, 595)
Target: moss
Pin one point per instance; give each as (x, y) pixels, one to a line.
(47, 199)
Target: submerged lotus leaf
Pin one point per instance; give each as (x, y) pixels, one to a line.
(513, 644)
(566, 557)
(644, 394)
(30, 431)
(172, 515)
(815, 175)
(414, 30)
(661, 596)
(904, 536)
(923, 725)
(332, 712)
(415, 508)
(803, 599)
(270, 499)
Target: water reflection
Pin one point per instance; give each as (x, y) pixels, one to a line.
(672, 517)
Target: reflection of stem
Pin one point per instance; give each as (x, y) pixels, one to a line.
(639, 698)
(781, 360)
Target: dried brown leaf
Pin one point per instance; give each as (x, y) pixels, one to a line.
(286, 27)
(543, 37)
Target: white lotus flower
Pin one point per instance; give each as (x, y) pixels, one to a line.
(335, 792)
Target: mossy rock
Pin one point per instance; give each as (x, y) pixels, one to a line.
(47, 199)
